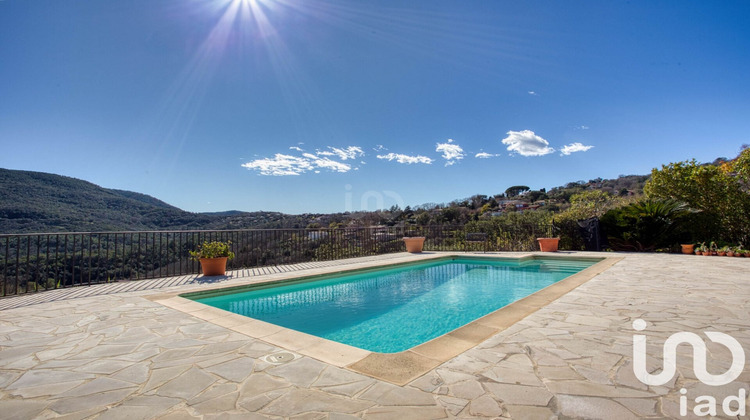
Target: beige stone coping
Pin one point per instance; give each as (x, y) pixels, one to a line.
(397, 368)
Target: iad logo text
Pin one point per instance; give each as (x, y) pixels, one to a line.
(705, 404)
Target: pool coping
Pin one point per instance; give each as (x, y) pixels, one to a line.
(397, 368)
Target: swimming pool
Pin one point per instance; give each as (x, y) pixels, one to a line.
(393, 309)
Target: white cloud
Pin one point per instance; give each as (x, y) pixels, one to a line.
(379, 148)
(280, 165)
(285, 165)
(574, 147)
(451, 152)
(296, 148)
(400, 158)
(350, 152)
(532, 93)
(526, 143)
(582, 127)
(326, 163)
(484, 155)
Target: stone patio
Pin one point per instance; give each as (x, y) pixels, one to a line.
(118, 353)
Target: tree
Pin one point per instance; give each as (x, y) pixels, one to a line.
(515, 190)
(478, 200)
(451, 215)
(584, 205)
(423, 218)
(644, 225)
(741, 166)
(536, 195)
(724, 205)
(591, 203)
(372, 218)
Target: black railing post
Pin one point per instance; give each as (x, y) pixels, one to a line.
(83, 256)
(17, 265)
(28, 263)
(5, 266)
(138, 257)
(141, 256)
(73, 262)
(91, 267)
(46, 264)
(178, 249)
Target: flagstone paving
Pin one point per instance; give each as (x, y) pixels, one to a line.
(122, 356)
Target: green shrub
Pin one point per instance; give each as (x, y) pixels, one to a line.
(515, 231)
(717, 191)
(584, 205)
(644, 225)
(215, 249)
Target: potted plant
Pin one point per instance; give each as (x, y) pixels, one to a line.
(722, 251)
(548, 244)
(738, 251)
(213, 257)
(414, 244)
(688, 248)
(702, 249)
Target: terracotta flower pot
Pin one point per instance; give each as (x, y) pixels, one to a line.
(414, 244)
(687, 248)
(214, 266)
(548, 244)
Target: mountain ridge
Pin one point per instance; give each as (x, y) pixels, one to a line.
(40, 202)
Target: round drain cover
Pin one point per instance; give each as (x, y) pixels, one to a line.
(279, 358)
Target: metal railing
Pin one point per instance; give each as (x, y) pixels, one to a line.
(36, 262)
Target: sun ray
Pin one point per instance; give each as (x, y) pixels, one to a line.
(179, 107)
(405, 29)
(248, 24)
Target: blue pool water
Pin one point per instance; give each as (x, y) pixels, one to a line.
(394, 309)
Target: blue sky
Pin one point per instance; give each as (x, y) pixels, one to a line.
(331, 105)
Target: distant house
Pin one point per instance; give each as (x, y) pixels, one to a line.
(317, 235)
(382, 234)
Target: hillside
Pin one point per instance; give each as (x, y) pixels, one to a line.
(42, 202)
